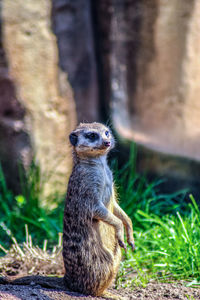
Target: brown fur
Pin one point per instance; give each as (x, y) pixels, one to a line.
(93, 221)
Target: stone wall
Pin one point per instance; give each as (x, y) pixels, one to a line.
(72, 25)
(134, 64)
(41, 88)
(150, 53)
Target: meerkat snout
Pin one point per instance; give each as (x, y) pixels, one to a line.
(106, 144)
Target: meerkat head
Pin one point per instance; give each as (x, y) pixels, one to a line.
(92, 139)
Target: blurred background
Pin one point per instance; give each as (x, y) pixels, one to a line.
(132, 64)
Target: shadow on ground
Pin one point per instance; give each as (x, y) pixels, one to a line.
(37, 287)
(52, 288)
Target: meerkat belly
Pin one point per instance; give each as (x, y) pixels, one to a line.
(107, 234)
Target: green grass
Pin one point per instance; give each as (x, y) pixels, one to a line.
(136, 193)
(166, 227)
(16, 211)
(166, 230)
(169, 249)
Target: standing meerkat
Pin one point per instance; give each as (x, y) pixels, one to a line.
(94, 223)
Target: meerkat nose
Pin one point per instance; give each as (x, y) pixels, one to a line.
(106, 143)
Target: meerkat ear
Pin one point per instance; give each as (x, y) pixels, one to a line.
(73, 138)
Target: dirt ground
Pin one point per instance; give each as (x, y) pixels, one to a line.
(49, 288)
(18, 262)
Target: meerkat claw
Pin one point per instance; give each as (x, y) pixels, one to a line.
(132, 246)
(122, 245)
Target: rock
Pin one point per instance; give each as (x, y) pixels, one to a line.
(14, 139)
(72, 24)
(41, 88)
(148, 80)
(152, 49)
(160, 103)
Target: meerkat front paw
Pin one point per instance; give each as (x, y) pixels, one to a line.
(131, 243)
(120, 238)
(122, 244)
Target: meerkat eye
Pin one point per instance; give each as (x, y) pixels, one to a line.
(93, 136)
(107, 133)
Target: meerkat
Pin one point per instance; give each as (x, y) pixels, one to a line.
(94, 223)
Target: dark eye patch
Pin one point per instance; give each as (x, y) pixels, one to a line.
(92, 136)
